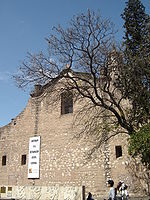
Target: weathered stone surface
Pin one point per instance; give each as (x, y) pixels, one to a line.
(44, 193)
(62, 158)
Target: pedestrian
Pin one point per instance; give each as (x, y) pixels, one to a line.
(125, 194)
(122, 191)
(89, 196)
(119, 192)
(112, 193)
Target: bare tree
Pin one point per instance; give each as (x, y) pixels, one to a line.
(84, 54)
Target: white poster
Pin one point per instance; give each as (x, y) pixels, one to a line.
(34, 157)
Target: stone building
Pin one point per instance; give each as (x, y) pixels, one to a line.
(63, 168)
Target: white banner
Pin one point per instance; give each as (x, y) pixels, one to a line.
(34, 157)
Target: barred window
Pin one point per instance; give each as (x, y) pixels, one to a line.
(3, 189)
(9, 189)
(66, 102)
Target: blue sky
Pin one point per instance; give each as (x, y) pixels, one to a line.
(24, 24)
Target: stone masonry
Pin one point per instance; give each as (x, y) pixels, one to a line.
(62, 158)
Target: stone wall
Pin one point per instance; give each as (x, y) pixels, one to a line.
(44, 193)
(62, 157)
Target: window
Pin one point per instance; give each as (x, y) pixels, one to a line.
(3, 160)
(66, 103)
(118, 151)
(3, 189)
(9, 189)
(23, 159)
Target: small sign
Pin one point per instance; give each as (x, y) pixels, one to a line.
(34, 157)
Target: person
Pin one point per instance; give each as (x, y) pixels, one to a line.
(112, 195)
(122, 191)
(119, 194)
(89, 196)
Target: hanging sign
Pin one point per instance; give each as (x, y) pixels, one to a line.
(34, 157)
